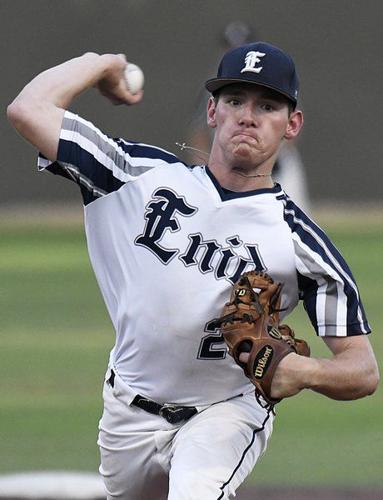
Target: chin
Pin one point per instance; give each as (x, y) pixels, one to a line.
(243, 156)
(244, 149)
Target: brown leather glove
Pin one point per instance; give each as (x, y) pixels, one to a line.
(250, 323)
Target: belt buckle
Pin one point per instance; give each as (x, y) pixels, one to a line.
(171, 413)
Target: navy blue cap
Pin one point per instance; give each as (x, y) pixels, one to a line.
(260, 63)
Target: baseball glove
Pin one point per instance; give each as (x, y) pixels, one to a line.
(250, 323)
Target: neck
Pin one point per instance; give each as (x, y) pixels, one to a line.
(240, 179)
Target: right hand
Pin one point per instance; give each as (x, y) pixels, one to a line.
(112, 85)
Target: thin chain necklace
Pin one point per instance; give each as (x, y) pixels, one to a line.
(185, 146)
(251, 175)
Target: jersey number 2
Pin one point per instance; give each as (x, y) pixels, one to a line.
(211, 344)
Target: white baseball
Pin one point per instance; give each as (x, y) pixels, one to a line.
(134, 78)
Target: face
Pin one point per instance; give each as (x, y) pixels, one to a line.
(251, 122)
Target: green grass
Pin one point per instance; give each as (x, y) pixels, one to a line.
(54, 344)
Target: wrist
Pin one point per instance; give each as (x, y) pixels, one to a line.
(111, 63)
(309, 372)
(89, 59)
(293, 374)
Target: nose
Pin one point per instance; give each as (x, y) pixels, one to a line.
(247, 116)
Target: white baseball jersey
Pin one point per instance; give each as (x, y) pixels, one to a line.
(167, 242)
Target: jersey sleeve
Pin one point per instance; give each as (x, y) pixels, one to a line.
(100, 164)
(327, 287)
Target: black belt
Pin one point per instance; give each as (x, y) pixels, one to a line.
(173, 414)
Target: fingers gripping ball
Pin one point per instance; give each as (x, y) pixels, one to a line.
(250, 323)
(134, 78)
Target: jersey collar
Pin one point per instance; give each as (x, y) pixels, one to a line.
(227, 194)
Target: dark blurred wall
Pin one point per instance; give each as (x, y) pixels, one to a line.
(337, 46)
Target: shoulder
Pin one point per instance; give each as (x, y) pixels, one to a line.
(87, 135)
(298, 219)
(148, 152)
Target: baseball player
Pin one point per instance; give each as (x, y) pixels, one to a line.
(167, 241)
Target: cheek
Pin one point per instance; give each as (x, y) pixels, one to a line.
(278, 129)
(220, 125)
(225, 122)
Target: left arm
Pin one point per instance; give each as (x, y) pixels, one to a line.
(332, 302)
(351, 373)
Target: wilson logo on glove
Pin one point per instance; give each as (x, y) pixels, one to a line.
(262, 361)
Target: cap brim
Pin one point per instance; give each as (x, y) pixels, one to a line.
(215, 84)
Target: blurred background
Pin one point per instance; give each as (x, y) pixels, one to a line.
(337, 47)
(54, 331)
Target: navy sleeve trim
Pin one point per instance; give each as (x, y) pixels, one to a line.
(98, 163)
(327, 286)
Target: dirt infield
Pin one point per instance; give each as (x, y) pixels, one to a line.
(248, 493)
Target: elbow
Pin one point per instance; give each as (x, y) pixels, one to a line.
(372, 381)
(25, 113)
(369, 382)
(365, 384)
(13, 112)
(17, 113)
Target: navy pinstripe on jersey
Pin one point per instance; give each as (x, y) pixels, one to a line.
(328, 288)
(98, 163)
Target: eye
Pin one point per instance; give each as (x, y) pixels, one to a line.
(267, 106)
(234, 101)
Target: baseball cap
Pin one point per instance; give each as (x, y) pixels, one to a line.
(260, 63)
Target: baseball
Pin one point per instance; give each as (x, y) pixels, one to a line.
(134, 78)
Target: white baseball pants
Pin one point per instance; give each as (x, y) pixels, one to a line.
(143, 457)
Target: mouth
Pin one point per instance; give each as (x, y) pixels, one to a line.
(245, 135)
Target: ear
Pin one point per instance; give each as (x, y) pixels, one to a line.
(211, 107)
(294, 125)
